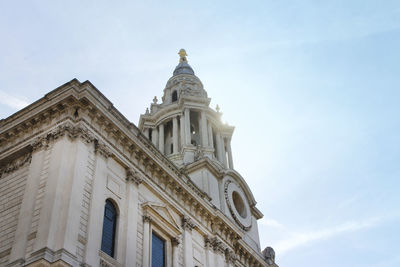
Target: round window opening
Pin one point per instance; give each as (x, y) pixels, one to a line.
(239, 204)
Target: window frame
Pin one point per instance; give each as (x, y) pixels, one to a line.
(115, 228)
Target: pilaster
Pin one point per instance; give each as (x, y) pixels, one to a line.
(133, 182)
(146, 240)
(188, 226)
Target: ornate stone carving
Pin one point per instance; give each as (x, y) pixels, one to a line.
(269, 255)
(38, 143)
(102, 149)
(218, 246)
(230, 255)
(147, 218)
(16, 164)
(198, 153)
(187, 223)
(175, 241)
(232, 209)
(207, 242)
(42, 142)
(134, 176)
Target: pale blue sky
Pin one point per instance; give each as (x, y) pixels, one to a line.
(311, 86)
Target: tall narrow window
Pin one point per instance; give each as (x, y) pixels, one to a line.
(157, 251)
(109, 225)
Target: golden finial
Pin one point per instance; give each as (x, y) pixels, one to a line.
(183, 55)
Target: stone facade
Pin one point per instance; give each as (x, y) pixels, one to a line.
(64, 155)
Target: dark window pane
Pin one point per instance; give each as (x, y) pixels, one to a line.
(109, 224)
(157, 252)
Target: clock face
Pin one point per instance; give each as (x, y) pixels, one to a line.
(237, 204)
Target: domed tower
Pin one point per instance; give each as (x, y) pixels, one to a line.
(187, 131)
(183, 126)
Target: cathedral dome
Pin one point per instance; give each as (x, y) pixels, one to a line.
(183, 68)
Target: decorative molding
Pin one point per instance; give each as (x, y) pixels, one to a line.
(233, 209)
(134, 176)
(218, 246)
(16, 164)
(207, 242)
(147, 218)
(230, 256)
(102, 149)
(176, 241)
(107, 261)
(187, 223)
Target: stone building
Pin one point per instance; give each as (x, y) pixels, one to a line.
(80, 185)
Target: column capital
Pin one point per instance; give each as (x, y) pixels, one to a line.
(176, 241)
(132, 175)
(208, 242)
(147, 218)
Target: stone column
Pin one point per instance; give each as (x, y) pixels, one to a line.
(175, 251)
(154, 136)
(133, 181)
(182, 128)
(161, 138)
(146, 241)
(146, 132)
(188, 226)
(210, 135)
(175, 134)
(203, 129)
(187, 126)
(229, 150)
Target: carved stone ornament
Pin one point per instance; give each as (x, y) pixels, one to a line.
(147, 218)
(134, 176)
(244, 219)
(187, 223)
(269, 255)
(230, 256)
(16, 164)
(198, 153)
(68, 129)
(218, 246)
(175, 241)
(207, 242)
(102, 149)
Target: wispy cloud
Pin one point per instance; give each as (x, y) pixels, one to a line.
(271, 223)
(299, 239)
(12, 101)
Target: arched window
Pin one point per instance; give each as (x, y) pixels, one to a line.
(174, 96)
(109, 226)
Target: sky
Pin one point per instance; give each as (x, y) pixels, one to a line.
(312, 88)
